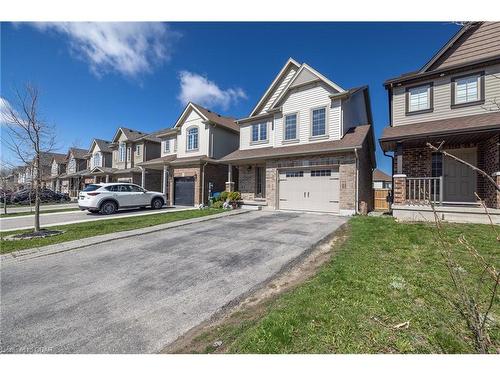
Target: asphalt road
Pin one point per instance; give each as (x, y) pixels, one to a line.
(61, 218)
(139, 294)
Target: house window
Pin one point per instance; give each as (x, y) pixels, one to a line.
(318, 122)
(321, 173)
(122, 151)
(138, 150)
(192, 139)
(166, 146)
(129, 152)
(437, 164)
(72, 165)
(466, 89)
(419, 98)
(259, 132)
(294, 174)
(96, 160)
(291, 126)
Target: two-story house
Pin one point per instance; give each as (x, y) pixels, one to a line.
(57, 169)
(450, 103)
(100, 161)
(131, 147)
(190, 155)
(76, 170)
(307, 145)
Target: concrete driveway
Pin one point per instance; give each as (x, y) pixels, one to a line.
(139, 294)
(73, 217)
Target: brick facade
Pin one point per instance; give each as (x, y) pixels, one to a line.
(399, 189)
(347, 176)
(417, 162)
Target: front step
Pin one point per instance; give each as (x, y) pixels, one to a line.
(251, 207)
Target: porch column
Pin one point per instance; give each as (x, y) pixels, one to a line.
(171, 187)
(107, 178)
(399, 158)
(399, 189)
(496, 177)
(143, 177)
(164, 185)
(229, 183)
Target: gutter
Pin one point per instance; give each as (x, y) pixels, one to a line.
(392, 174)
(203, 184)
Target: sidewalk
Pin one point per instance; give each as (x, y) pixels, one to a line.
(60, 206)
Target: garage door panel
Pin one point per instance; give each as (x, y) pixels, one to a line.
(184, 191)
(309, 190)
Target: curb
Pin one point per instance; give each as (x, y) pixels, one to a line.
(37, 252)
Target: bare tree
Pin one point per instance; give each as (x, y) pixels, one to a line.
(28, 137)
(469, 300)
(6, 183)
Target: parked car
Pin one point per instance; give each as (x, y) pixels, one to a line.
(110, 197)
(46, 196)
(5, 195)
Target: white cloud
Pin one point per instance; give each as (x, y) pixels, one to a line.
(200, 90)
(4, 106)
(129, 48)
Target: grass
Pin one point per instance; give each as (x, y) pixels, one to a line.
(95, 228)
(386, 273)
(13, 214)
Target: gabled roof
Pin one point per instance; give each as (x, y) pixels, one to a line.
(379, 175)
(130, 134)
(312, 75)
(78, 153)
(290, 62)
(59, 158)
(102, 144)
(207, 115)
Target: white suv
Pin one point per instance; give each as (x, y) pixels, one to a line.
(108, 198)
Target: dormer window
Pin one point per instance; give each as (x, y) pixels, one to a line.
(467, 90)
(192, 139)
(259, 132)
(122, 151)
(419, 99)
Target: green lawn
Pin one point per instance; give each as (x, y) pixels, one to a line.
(383, 275)
(41, 212)
(95, 228)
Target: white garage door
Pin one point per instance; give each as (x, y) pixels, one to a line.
(309, 189)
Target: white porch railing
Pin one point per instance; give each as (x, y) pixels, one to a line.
(423, 190)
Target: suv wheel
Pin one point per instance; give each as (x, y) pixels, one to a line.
(157, 203)
(108, 208)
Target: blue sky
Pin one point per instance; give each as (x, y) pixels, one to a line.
(94, 78)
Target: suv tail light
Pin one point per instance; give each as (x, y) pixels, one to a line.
(93, 194)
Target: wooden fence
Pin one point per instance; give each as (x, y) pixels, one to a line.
(380, 198)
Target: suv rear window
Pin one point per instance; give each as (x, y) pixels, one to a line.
(91, 187)
(112, 188)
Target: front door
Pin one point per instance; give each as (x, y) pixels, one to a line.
(459, 179)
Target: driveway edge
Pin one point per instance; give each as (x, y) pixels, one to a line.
(36, 252)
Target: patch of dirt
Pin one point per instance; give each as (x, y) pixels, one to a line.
(254, 305)
(42, 233)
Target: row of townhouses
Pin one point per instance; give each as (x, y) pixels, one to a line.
(308, 144)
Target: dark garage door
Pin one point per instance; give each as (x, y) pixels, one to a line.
(184, 191)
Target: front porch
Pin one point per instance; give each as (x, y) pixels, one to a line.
(425, 177)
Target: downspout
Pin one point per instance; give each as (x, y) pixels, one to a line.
(356, 199)
(203, 184)
(392, 175)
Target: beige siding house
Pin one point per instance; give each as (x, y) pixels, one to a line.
(307, 145)
(190, 155)
(451, 103)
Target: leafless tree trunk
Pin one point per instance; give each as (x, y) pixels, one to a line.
(28, 138)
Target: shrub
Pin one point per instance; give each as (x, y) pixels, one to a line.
(223, 196)
(234, 196)
(217, 204)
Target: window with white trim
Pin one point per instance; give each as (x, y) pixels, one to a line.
(166, 146)
(467, 89)
(318, 122)
(138, 150)
(259, 132)
(192, 139)
(419, 98)
(96, 160)
(122, 151)
(291, 126)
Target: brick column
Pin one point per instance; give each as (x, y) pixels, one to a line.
(399, 189)
(229, 183)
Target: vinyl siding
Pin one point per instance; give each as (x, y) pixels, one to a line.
(281, 85)
(171, 141)
(442, 99)
(354, 111)
(478, 43)
(301, 101)
(223, 142)
(246, 135)
(193, 119)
